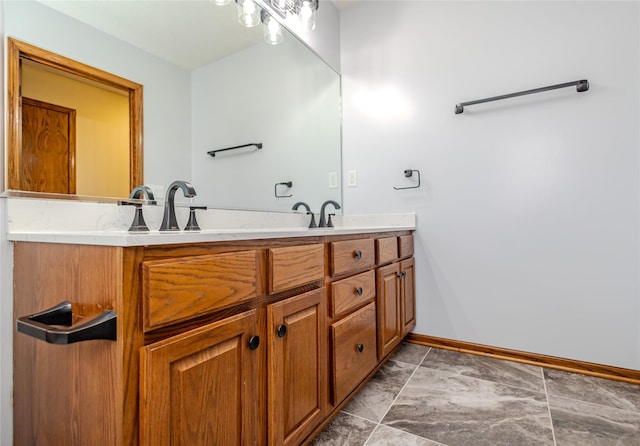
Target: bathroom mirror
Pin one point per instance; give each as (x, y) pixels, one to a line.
(222, 87)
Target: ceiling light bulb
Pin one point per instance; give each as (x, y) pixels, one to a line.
(248, 13)
(272, 31)
(308, 14)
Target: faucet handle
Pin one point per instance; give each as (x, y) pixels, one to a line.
(138, 224)
(329, 222)
(192, 224)
(312, 223)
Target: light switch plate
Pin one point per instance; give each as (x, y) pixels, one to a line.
(333, 180)
(352, 178)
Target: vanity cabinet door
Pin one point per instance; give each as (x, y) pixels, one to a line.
(200, 387)
(388, 303)
(407, 296)
(297, 367)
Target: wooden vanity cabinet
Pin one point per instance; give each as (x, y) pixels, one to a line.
(223, 343)
(395, 295)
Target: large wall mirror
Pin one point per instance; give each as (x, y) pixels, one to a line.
(209, 84)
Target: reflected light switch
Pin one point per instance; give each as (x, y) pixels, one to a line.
(352, 178)
(333, 180)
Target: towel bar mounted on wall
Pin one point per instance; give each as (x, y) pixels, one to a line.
(257, 144)
(409, 173)
(581, 85)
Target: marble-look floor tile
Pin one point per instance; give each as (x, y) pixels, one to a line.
(386, 436)
(601, 391)
(456, 410)
(374, 399)
(481, 367)
(345, 430)
(586, 424)
(411, 353)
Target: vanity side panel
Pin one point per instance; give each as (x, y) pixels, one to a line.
(60, 391)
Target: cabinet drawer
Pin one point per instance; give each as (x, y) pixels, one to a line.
(350, 293)
(354, 351)
(179, 289)
(405, 244)
(352, 255)
(386, 250)
(293, 266)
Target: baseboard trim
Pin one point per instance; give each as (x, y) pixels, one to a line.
(552, 362)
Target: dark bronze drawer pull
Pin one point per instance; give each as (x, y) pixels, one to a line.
(359, 291)
(41, 326)
(357, 254)
(254, 342)
(360, 348)
(281, 331)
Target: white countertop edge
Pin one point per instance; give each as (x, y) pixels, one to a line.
(153, 238)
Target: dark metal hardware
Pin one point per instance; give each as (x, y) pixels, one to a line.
(323, 222)
(281, 331)
(256, 144)
(581, 85)
(138, 191)
(402, 275)
(254, 342)
(138, 224)
(312, 223)
(409, 173)
(357, 254)
(329, 222)
(289, 184)
(192, 224)
(360, 348)
(169, 221)
(359, 291)
(42, 326)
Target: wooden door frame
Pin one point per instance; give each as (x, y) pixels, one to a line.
(17, 50)
(71, 141)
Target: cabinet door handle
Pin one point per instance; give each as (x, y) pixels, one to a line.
(281, 331)
(357, 254)
(402, 275)
(254, 342)
(360, 348)
(359, 291)
(40, 326)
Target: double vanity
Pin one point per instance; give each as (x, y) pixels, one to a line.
(257, 335)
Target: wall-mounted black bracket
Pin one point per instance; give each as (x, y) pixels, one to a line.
(289, 184)
(258, 146)
(581, 85)
(409, 173)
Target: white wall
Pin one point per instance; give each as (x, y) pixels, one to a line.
(528, 217)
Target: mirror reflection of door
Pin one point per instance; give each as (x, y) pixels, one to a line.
(48, 148)
(101, 157)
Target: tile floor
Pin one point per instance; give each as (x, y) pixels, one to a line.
(431, 397)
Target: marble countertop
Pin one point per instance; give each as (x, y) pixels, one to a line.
(90, 223)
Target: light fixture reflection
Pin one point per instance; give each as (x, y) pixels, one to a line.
(307, 13)
(248, 13)
(221, 2)
(272, 29)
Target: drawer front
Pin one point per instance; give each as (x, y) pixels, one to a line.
(354, 351)
(179, 289)
(351, 293)
(352, 255)
(293, 266)
(405, 244)
(386, 250)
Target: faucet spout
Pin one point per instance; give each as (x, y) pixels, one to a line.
(323, 220)
(169, 222)
(312, 223)
(139, 191)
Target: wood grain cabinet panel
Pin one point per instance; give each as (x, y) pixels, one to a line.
(293, 266)
(388, 304)
(297, 367)
(405, 246)
(351, 256)
(386, 250)
(348, 294)
(182, 288)
(407, 295)
(354, 351)
(200, 387)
